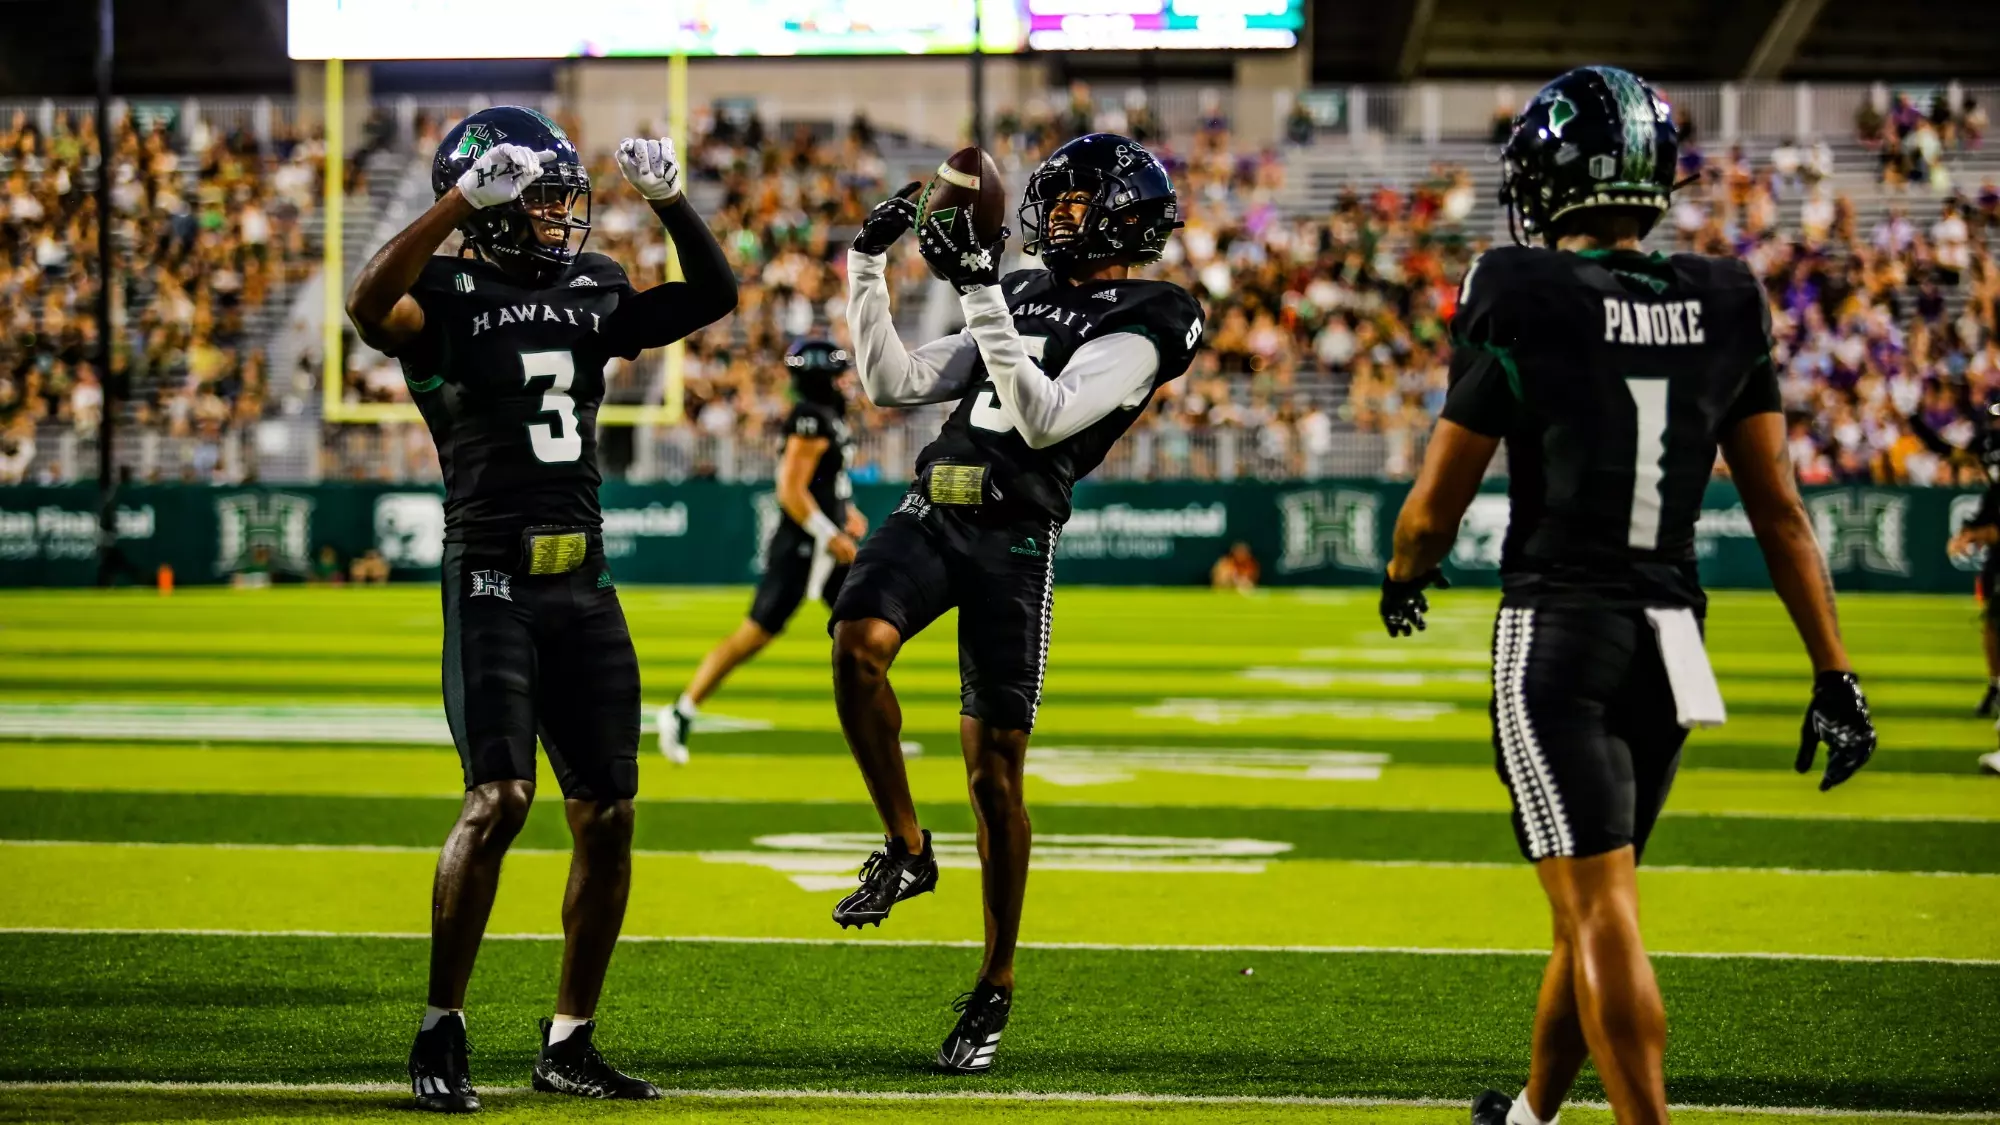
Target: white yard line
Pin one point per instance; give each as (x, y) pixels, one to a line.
(1084, 946)
(1065, 1096)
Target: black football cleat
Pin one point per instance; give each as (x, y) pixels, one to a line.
(440, 1074)
(970, 1047)
(1989, 704)
(574, 1067)
(1491, 1108)
(890, 876)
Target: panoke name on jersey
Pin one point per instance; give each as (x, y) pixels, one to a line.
(1653, 324)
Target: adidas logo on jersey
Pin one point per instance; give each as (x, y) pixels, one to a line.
(1108, 295)
(1662, 324)
(581, 280)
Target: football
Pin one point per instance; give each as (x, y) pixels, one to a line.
(968, 178)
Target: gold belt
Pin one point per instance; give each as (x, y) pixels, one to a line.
(956, 484)
(554, 550)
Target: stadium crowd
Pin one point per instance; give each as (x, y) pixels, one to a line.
(1320, 327)
(207, 225)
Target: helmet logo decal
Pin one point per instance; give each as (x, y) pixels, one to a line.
(1637, 115)
(477, 139)
(1562, 111)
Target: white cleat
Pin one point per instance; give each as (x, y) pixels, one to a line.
(674, 728)
(1990, 763)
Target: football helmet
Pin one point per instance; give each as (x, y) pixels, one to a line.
(1597, 137)
(1131, 208)
(814, 364)
(505, 234)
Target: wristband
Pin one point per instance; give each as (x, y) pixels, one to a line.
(821, 528)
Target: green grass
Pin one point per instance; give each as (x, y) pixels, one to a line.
(764, 1017)
(155, 830)
(1358, 834)
(255, 1106)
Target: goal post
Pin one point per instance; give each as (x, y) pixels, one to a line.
(334, 406)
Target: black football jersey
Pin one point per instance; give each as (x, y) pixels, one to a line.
(1054, 319)
(509, 379)
(829, 486)
(1612, 377)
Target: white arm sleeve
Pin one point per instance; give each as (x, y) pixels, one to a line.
(1107, 373)
(939, 371)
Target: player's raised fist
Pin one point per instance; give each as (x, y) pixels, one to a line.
(650, 167)
(501, 175)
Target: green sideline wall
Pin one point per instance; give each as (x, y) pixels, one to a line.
(1332, 532)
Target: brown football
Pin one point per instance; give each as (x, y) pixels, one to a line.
(968, 178)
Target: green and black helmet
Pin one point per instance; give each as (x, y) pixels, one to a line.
(1597, 137)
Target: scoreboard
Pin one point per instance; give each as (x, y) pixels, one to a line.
(530, 29)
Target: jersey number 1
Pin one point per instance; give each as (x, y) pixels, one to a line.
(1648, 472)
(559, 441)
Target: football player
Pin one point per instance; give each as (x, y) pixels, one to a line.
(1980, 531)
(504, 351)
(1612, 375)
(1053, 365)
(814, 542)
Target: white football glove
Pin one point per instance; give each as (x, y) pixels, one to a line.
(650, 168)
(501, 175)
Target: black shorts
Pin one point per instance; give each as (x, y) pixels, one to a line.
(792, 561)
(549, 655)
(1584, 728)
(1000, 574)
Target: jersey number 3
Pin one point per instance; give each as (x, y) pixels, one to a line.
(559, 441)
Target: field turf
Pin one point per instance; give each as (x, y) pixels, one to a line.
(219, 814)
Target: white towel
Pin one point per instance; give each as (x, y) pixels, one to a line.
(1697, 699)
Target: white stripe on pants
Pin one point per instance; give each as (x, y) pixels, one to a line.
(1529, 777)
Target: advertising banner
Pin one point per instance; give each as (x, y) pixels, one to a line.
(1323, 533)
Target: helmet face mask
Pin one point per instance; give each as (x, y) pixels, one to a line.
(540, 234)
(1595, 138)
(1099, 198)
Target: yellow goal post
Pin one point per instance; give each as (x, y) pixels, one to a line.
(334, 406)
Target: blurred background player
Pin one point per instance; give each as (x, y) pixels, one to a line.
(1981, 532)
(814, 542)
(504, 352)
(1052, 367)
(1612, 375)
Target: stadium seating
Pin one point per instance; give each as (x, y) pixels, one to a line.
(1328, 266)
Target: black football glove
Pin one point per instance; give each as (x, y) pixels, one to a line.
(1838, 716)
(1404, 604)
(954, 252)
(889, 221)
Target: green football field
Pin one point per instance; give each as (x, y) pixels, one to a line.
(1274, 879)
